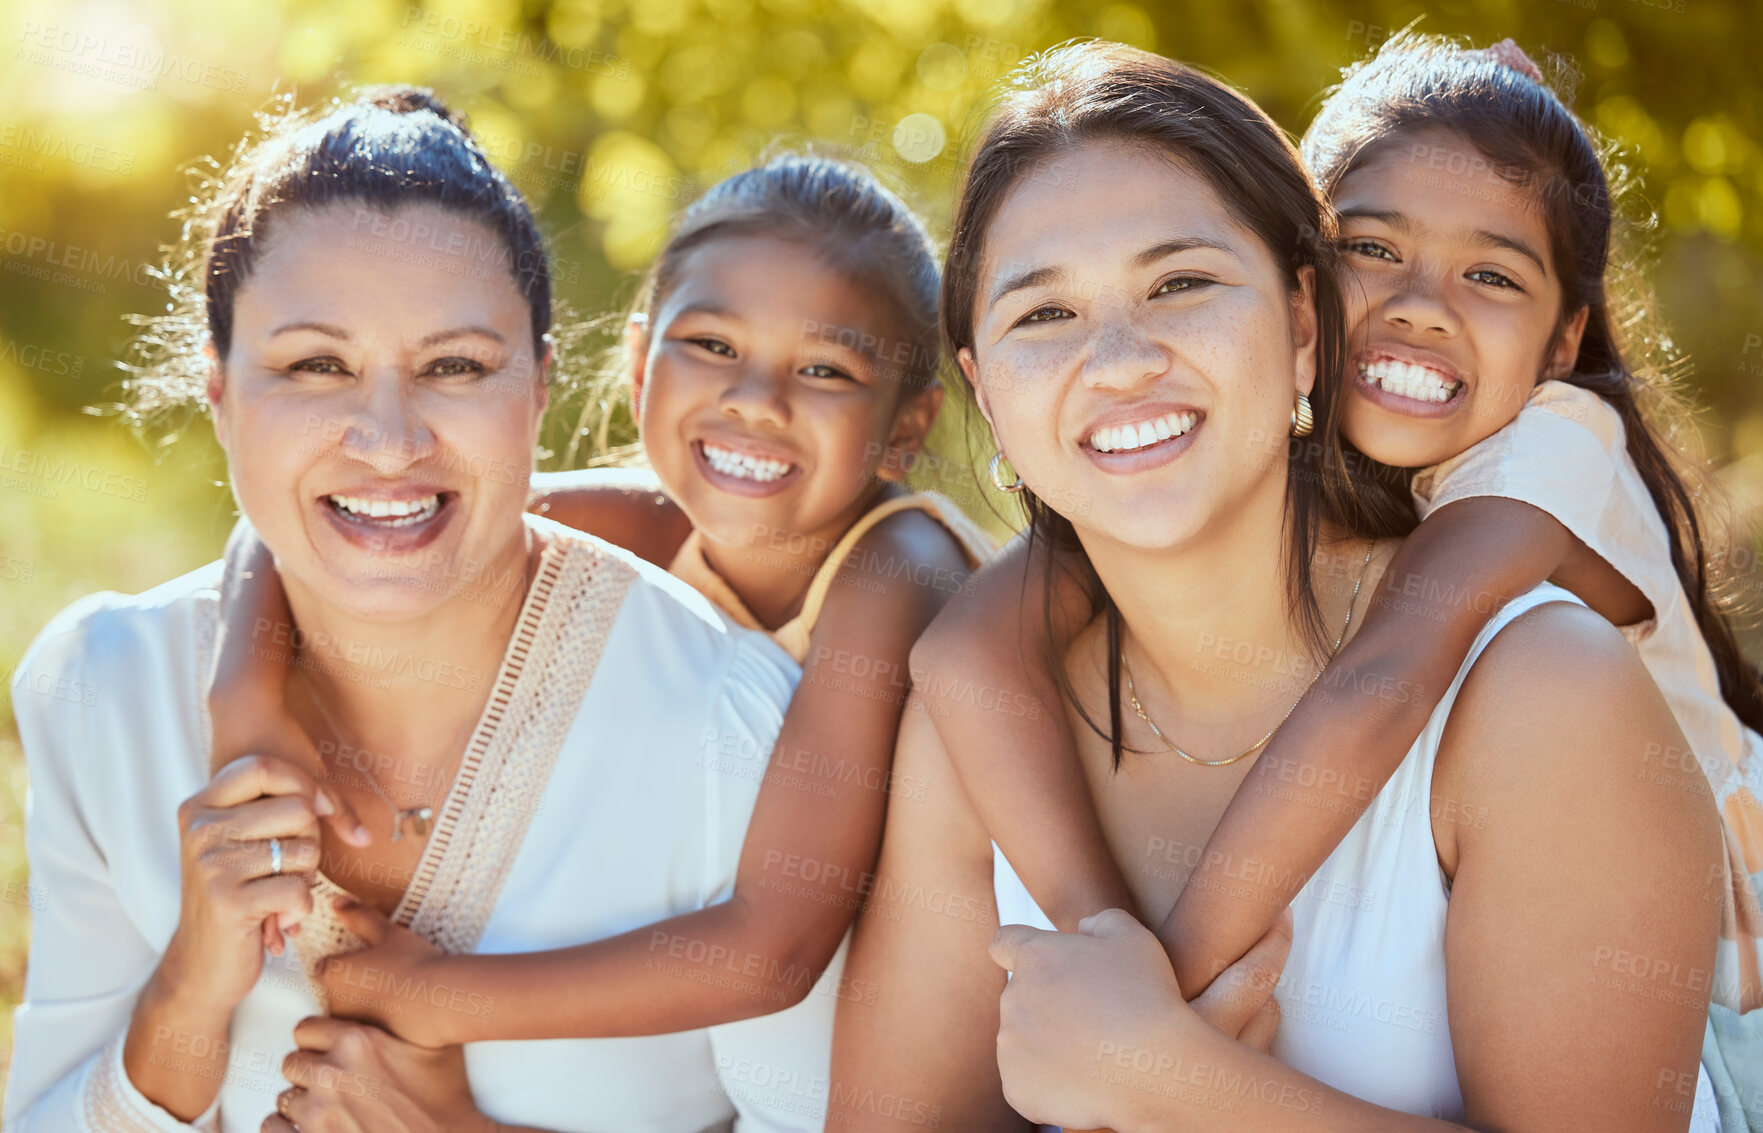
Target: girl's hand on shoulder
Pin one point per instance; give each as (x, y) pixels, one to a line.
(1093, 1023)
(397, 982)
(1083, 1013)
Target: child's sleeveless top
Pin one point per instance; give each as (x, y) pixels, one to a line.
(691, 566)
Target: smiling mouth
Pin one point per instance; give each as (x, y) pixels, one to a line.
(742, 466)
(386, 514)
(1144, 434)
(1405, 379)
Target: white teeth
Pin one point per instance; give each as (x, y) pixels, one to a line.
(1127, 438)
(744, 467)
(1404, 379)
(396, 513)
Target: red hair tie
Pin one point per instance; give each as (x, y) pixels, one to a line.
(1509, 54)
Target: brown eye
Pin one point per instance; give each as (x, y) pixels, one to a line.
(714, 346)
(455, 367)
(1370, 248)
(1494, 279)
(822, 370)
(1046, 315)
(1176, 285)
(324, 365)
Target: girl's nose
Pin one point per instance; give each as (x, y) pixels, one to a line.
(755, 396)
(1418, 306)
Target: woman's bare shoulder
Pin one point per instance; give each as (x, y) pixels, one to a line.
(1558, 707)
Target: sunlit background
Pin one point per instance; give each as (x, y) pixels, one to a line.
(612, 116)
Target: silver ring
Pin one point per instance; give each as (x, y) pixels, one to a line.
(275, 855)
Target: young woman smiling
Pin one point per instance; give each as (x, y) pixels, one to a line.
(1180, 267)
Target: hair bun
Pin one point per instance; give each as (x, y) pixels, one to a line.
(410, 100)
(1511, 56)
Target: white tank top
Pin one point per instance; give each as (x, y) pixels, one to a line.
(1362, 999)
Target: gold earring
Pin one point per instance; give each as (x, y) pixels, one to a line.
(998, 481)
(1302, 419)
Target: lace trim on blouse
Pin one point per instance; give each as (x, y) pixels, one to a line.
(557, 644)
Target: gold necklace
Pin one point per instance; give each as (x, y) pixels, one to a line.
(421, 817)
(1132, 693)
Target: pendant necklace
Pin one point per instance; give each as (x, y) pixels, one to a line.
(421, 818)
(1133, 695)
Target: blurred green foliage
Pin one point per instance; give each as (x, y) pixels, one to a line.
(613, 115)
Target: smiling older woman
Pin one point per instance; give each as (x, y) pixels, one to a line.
(377, 302)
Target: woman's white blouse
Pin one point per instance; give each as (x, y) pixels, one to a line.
(608, 786)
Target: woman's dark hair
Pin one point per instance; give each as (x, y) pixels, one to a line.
(1087, 92)
(1496, 101)
(390, 147)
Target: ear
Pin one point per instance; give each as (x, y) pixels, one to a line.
(1305, 330)
(543, 393)
(970, 371)
(215, 391)
(1564, 352)
(636, 356)
(911, 425)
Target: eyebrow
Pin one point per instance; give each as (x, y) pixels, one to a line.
(711, 309)
(441, 336)
(1177, 244)
(1391, 217)
(1034, 277)
(1486, 239)
(435, 339)
(322, 328)
(1481, 237)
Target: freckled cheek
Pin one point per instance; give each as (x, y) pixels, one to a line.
(1024, 384)
(1231, 348)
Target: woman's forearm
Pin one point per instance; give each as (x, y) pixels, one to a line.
(175, 1052)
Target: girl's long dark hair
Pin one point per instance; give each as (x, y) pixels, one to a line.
(1094, 91)
(1530, 138)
